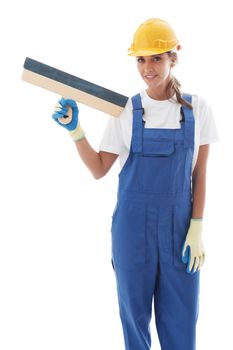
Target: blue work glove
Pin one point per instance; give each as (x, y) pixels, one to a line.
(193, 252)
(66, 114)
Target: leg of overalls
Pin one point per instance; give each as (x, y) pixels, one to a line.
(176, 309)
(135, 268)
(135, 295)
(176, 293)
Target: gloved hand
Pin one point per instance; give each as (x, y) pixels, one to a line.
(193, 252)
(66, 115)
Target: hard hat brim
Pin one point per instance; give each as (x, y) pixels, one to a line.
(149, 52)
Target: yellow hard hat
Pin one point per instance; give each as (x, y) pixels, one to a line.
(154, 36)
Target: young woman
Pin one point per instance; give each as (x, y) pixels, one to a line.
(162, 138)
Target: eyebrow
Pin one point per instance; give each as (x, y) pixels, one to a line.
(157, 55)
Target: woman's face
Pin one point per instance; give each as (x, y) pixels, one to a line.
(155, 71)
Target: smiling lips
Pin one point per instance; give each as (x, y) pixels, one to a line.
(150, 76)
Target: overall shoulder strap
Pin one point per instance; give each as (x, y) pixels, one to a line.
(137, 130)
(189, 123)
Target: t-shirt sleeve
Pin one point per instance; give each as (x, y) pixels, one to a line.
(112, 140)
(117, 135)
(208, 128)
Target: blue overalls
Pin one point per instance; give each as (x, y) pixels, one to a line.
(149, 227)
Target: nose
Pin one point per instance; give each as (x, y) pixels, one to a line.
(148, 67)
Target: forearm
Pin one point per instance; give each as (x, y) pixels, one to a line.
(98, 163)
(90, 157)
(199, 195)
(199, 182)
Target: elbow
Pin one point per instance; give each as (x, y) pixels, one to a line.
(98, 175)
(199, 173)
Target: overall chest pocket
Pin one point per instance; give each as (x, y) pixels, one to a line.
(155, 165)
(157, 148)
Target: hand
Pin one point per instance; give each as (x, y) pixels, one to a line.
(66, 114)
(193, 252)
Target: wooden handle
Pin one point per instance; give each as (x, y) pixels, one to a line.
(68, 118)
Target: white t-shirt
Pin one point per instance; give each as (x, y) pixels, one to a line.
(158, 114)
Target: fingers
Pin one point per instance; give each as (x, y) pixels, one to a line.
(67, 117)
(202, 260)
(63, 102)
(195, 264)
(71, 103)
(185, 253)
(68, 102)
(191, 263)
(64, 108)
(59, 108)
(59, 111)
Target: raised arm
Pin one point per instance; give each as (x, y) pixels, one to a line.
(66, 115)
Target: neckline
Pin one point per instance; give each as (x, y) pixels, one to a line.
(154, 101)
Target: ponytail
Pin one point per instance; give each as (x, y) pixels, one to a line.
(174, 85)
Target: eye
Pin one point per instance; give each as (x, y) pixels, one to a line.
(140, 59)
(157, 58)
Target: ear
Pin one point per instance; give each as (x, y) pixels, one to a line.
(173, 58)
(173, 64)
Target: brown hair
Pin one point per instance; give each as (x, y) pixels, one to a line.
(174, 85)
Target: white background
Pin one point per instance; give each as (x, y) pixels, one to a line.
(57, 287)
